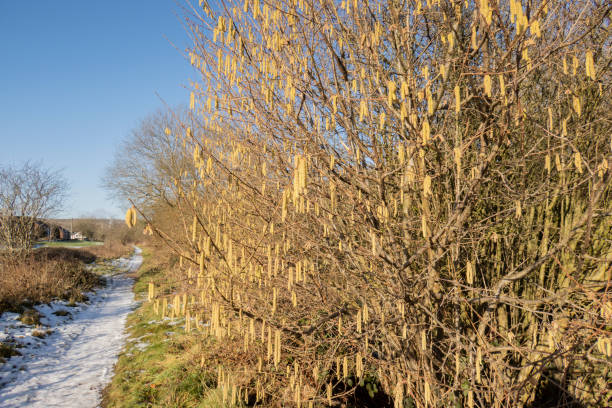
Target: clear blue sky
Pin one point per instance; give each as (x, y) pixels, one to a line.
(77, 76)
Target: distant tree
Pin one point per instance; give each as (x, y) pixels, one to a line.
(148, 160)
(28, 193)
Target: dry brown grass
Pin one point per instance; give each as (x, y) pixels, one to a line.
(46, 274)
(110, 250)
(63, 254)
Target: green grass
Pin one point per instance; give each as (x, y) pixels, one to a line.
(159, 366)
(68, 244)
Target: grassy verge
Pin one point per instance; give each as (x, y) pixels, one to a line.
(161, 365)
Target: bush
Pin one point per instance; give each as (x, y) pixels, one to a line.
(414, 192)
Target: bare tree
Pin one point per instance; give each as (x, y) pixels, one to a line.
(148, 159)
(28, 193)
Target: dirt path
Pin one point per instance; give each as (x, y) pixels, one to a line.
(70, 367)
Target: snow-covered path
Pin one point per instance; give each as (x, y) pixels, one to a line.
(70, 367)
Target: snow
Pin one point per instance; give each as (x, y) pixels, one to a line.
(70, 366)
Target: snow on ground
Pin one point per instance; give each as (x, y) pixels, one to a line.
(69, 367)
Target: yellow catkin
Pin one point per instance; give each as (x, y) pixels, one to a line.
(550, 119)
(274, 295)
(502, 89)
(130, 217)
(535, 28)
(590, 66)
(194, 229)
(457, 157)
(457, 99)
(423, 340)
(425, 131)
(363, 110)
(444, 71)
(469, 273)
(427, 391)
(558, 163)
(604, 346)
(277, 348)
(151, 293)
(391, 88)
(577, 105)
(578, 162)
(269, 344)
(487, 85)
(478, 364)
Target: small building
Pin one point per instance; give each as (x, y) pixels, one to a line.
(78, 235)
